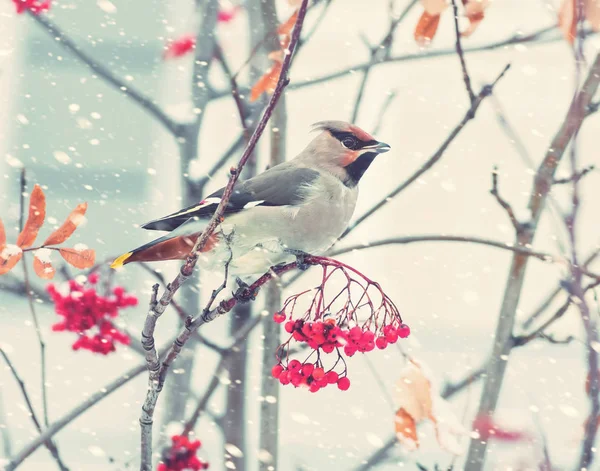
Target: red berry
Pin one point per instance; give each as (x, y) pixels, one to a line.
(294, 365)
(318, 373)
(355, 333)
(307, 369)
(328, 347)
(391, 336)
(276, 371)
(343, 383)
(349, 349)
(119, 291)
(403, 331)
(381, 343)
(284, 378)
(331, 377)
(314, 387)
(93, 278)
(289, 326)
(279, 317)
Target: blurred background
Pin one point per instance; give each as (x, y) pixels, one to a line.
(82, 140)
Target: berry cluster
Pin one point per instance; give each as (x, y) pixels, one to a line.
(308, 374)
(327, 337)
(182, 455)
(35, 6)
(88, 313)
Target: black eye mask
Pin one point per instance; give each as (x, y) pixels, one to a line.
(350, 141)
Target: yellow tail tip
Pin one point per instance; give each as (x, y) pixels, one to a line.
(119, 262)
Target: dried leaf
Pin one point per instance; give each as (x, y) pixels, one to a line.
(434, 7)
(42, 264)
(37, 213)
(406, 430)
(592, 13)
(61, 234)
(416, 400)
(267, 83)
(9, 256)
(83, 258)
(2, 234)
(287, 27)
(567, 20)
(475, 12)
(426, 28)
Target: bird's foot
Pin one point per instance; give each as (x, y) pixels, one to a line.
(244, 294)
(300, 258)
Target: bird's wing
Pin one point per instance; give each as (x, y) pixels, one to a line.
(279, 186)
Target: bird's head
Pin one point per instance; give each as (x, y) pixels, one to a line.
(344, 149)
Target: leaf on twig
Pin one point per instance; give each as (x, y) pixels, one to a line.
(42, 264)
(267, 83)
(475, 12)
(9, 256)
(35, 220)
(426, 28)
(287, 27)
(65, 231)
(417, 403)
(567, 20)
(79, 257)
(434, 7)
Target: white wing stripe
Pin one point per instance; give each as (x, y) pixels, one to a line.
(252, 204)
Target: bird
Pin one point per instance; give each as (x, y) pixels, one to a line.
(301, 206)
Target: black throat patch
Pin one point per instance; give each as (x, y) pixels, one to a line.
(357, 169)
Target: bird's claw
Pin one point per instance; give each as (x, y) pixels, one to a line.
(301, 263)
(244, 294)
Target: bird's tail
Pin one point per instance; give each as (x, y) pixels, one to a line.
(168, 247)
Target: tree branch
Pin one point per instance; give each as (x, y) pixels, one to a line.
(541, 187)
(52, 448)
(104, 73)
(461, 55)
(469, 115)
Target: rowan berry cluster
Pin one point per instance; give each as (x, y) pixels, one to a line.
(182, 455)
(89, 314)
(326, 337)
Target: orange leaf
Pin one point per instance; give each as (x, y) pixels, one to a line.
(2, 235)
(567, 20)
(267, 82)
(592, 13)
(475, 12)
(406, 429)
(83, 258)
(286, 28)
(426, 28)
(42, 265)
(68, 227)
(37, 213)
(9, 257)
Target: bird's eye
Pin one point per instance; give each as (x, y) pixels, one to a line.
(349, 143)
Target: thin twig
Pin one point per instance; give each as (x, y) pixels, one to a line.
(575, 177)
(30, 301)
(107, 75)
(469, 115)
(157, 369)
(461, 56)
(391, 96)
(52, 448)
(503, 203)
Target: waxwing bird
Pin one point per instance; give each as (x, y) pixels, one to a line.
(299, 206)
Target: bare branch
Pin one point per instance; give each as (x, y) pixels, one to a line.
(52, 448)
(503, 203)
(469, 115)
(575, 177)
(461, 55)
(158, 371)
(541, 188)
(103, 72)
